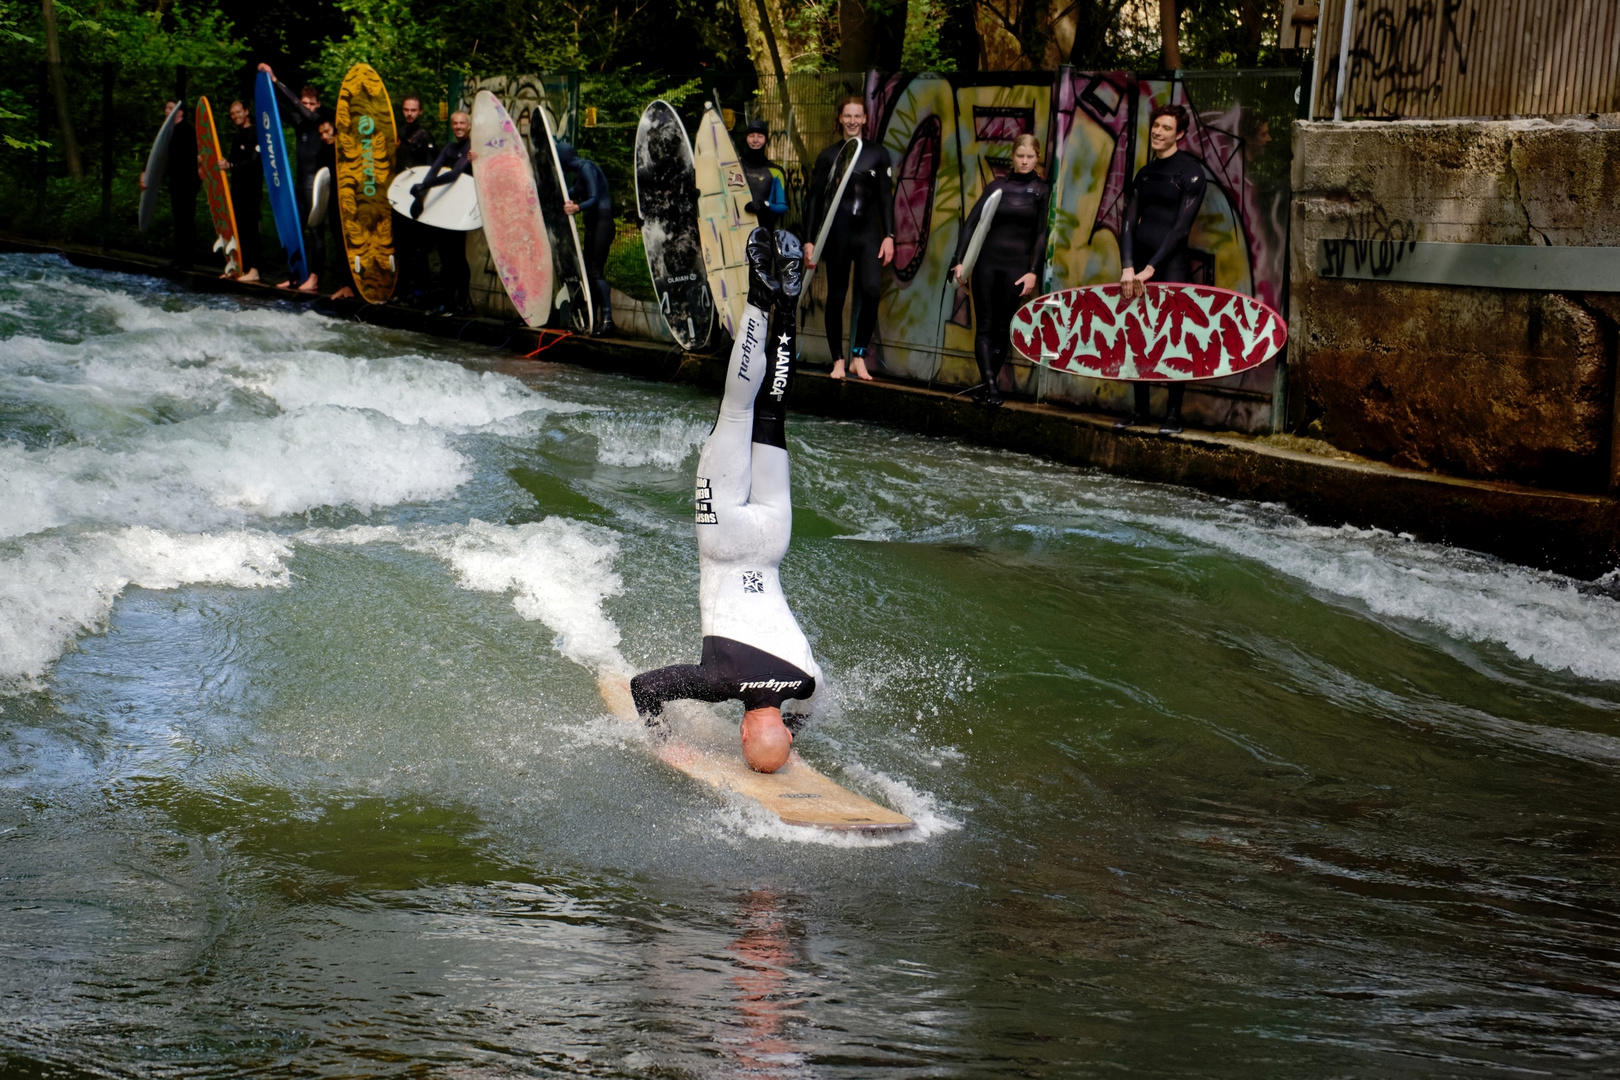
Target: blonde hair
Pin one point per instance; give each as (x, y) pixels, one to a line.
(1030, 141)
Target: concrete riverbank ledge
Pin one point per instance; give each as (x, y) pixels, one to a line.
(1570, 532)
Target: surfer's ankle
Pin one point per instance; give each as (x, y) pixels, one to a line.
(838, 369)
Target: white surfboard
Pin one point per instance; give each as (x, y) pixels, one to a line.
(448, 206)
(796, 793)
(971, 256)
(157, 163)
(320, 198)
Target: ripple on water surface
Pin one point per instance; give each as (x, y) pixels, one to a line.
(303, 764)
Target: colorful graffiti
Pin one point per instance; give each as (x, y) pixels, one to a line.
(949, 136)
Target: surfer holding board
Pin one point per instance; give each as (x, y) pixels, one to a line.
(753, 649)
(1001, 250)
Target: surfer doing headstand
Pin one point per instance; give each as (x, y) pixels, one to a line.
(753, 649)
(861, 239)
(1164, 203)
(1009, 264)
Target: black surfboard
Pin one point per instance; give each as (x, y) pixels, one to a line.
(571, 301)
(666, 199)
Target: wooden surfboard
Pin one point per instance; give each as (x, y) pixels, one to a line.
(666, 199)
(1175, 333)
(157, 163)
(796, 793)
(220, 210)
(366, 141)
(724, 224)
(572, 302)
(278, 177)
(514, 228)
(451, 206)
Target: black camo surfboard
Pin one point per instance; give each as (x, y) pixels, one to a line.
(666, 199)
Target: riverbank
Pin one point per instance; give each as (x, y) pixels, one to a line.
(1572, 533)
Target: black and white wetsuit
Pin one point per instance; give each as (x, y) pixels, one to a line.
(753, 649)
(863, 220)
(1014, 246)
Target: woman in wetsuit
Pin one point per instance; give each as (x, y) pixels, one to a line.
(861, 239)
(1009, 266)
(753, 649)
(1164, 202)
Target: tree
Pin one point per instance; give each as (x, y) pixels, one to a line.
(872, 33)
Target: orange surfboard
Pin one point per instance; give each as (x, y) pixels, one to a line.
(218, 190)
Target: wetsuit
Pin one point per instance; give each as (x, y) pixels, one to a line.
(1014, 246)
(753, 649)
(452, 163)
(767, 187)
(246, 177)
(862, 221)
(415, 148)
(307, 126)
(181, 170)
(1165, 199)
(342, 275)
(588, 187)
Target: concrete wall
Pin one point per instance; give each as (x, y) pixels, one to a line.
(1492, 383)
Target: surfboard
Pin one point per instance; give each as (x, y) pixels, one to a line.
(366, 142)
(970, 257)
(320, 196)
(514, 228)
(796, 792)
(666, 199)
(278, 177)
(220, 210)
(451, 206)
(157, 163)
(724, 224)
(1173, 333)
(837, 182)
(572, 302)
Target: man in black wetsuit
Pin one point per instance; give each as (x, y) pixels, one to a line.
(307, 114)
(753, 649)
(184, 183)
(861, 238)
(1010, 261)
(592, 200)
(767, 183)
(245, 174)
(1164, 203)
(452, 163)
(341, 276)
(416, 147)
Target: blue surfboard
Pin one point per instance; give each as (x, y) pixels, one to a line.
(278, 178)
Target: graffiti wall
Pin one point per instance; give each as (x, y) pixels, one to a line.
(949, 136)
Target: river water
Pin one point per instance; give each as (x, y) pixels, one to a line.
(303, 769)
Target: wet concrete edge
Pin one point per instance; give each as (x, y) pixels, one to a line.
(1572, 533)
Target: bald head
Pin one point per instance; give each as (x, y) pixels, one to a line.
(766, 741)
(460, 124)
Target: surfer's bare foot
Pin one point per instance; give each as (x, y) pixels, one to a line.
(285, 284)
(251, 275)
(344, 293)
(858, 366)
(838, 369)
(766, 741)
(311, 284)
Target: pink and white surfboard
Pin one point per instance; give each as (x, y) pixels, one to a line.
(513, 225)
(1174, 333)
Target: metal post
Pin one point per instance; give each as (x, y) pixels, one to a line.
(107, 72)
(1344, 58)
(43, 160)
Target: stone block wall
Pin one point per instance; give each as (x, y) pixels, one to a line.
(1501, 384)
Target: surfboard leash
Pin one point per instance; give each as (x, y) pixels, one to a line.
(544, 344)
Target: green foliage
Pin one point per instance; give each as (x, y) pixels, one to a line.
(618, 98)
(922, 47)
(626, 268)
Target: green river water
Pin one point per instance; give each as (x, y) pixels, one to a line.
(303, 771)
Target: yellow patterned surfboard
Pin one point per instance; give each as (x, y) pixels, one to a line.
(366, 140)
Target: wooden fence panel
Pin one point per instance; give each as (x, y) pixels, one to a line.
(1495, 58)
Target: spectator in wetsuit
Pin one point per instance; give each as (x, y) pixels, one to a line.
(307, 114)
(452, 163)
(861, 238)
(327, 159)
(1165, 198)
(245, 174)
(181, 170)
(1010, 261)
(767, 184)
(416, 147)
(591, 199)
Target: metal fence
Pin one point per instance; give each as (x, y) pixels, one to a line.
(1454, 58)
